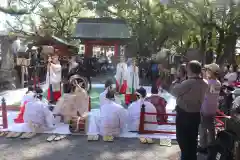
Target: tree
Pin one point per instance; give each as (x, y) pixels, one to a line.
(217, 23)
(151, 23)
(60, 17)
(19, 7)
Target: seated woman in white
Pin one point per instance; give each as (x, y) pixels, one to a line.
(29, 96)
(72, 104)
(112, 118)
(134, 111)
(102, 98)
(37, 114)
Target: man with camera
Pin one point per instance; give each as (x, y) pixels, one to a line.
(190, 94)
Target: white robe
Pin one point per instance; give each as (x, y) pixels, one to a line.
(121, 73)
(103, 100)
(27, 97)
(110, 121)
(132, 79)
(38, 115)
(55, 76)
(134, 111)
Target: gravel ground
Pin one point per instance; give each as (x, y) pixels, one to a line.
(77, 148)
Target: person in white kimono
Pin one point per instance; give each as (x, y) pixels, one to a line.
(53, 78)
(102, 98)
(37, 114)
(121, 76)
(112, 118)
(132, 83)
(29, 96)
(134, 111)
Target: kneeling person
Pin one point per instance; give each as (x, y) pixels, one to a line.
(37, 114)
(134, 112)
(73, 104)
(111, 120)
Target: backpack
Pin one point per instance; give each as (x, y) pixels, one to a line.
(223, 147)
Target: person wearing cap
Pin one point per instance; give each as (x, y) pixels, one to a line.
(134, 111)
(132, 83)
(121, 76)
(53, 78)
(111, 120)
(209, 107)
(37, 114)
(189, 95)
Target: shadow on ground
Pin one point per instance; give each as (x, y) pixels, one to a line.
(78, 148)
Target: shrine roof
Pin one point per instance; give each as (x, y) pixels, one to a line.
(51, 40)
(101, 28)
(56, 42)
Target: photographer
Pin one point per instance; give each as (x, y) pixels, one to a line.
(190, 95)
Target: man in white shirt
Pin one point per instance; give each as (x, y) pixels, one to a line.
(134, 111)
(37, 114)
(112, 118)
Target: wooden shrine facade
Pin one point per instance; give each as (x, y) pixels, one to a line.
(102, 32)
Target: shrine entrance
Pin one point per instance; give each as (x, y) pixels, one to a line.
(102, 32)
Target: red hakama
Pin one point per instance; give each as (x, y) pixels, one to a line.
(19, 118)
(129, 98)
(56, 95)
(122, 89)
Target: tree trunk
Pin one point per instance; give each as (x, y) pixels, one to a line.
(8, 76)
(229, 49)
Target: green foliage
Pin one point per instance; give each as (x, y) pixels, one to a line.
(19, 7)
(60, 17)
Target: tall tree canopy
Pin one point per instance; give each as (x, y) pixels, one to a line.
(19, 7)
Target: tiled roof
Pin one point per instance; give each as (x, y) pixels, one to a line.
(101, 28)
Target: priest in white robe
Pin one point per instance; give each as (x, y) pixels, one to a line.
(132, 82)
(121, 76)
(110, 120)
(102, 98)
(29, 96)
(37, 115)
(53, 78)
(134, 111)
